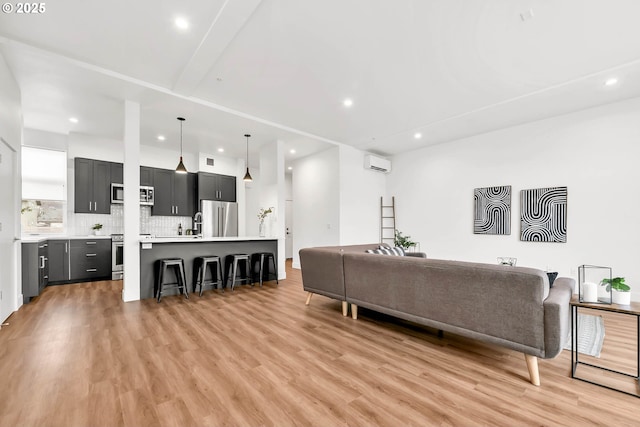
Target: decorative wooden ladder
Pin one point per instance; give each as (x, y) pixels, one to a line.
(388, 222)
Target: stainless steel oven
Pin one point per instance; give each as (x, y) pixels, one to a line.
(117, 256)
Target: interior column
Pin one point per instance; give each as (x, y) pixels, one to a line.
(131, 177)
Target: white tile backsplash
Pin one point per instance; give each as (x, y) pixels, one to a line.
(114, 223)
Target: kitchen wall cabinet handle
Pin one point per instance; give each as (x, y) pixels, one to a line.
(95, 206)
(90, 255)
(91, 270)
(89, 206)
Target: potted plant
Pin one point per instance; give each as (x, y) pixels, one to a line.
(621, 294)
(402, 241)
(261, 216)
(97, 229)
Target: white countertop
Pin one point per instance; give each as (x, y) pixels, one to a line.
(30, 238)
(195, 239)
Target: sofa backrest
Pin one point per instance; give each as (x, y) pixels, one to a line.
(499, 301)
(322, 268)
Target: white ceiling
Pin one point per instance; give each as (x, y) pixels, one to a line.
(280, 69)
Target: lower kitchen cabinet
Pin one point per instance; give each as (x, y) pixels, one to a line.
(58, 261)
(78, 260)
(35, 268)
(90, 259)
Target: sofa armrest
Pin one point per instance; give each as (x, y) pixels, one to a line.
(557, 316)
(416, 254)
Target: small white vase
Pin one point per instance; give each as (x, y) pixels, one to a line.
(97, 232)
(622, 298)
(261, 231)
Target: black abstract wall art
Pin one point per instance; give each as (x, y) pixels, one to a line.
(492, 210)
(543, 215)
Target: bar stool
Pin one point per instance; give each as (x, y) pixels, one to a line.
(177, 265)
(264, 272)
(231, 267)
(200, 265)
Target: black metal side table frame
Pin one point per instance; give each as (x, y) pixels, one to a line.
(632, 310)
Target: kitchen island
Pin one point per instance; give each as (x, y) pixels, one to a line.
(190, 247)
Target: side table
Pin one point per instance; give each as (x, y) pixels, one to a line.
(631, 310)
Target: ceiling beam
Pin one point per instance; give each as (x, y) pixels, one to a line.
(230, 19)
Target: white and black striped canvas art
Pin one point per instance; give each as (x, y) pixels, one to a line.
(543, 215)
(492, 210)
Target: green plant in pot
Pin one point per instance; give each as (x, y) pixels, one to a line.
(621, 291)
(402, 241)
(97, 229)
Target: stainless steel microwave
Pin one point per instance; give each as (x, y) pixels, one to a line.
(146, 194)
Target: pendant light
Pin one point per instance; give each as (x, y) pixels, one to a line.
(247, 176)
(180, 168)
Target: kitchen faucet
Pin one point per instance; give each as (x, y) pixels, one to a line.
(197, 223)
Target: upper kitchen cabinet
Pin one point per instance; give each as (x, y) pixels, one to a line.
(117, 173)
(92, 191)
(146, 176)
(174, 193)
(216, 187)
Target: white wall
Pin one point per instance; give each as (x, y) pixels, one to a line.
(43, 139)
(11, 134)
(593, 152)
(252, 201)
(360, 192)
(337, 201)
(316, 191)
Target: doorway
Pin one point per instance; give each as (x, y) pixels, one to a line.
(8, 264)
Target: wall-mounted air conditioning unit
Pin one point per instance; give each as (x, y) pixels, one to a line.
(377, 163)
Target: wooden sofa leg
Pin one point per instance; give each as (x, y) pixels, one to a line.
(309, 295)
(354, 311)
(532, 366)
(345, 308)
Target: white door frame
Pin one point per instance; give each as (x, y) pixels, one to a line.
(9, 240)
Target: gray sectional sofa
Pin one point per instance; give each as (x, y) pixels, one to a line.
(513, 307)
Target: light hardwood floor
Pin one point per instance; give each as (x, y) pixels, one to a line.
(78, 356)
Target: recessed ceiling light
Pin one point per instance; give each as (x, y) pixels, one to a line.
(347, 102)
(292, 151)
(161, 138)
(182, 23)
(290, 168)
(220, 150)
(73, 119)
(417, 135)
(610, 82)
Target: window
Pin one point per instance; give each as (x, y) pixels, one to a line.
(44, 191)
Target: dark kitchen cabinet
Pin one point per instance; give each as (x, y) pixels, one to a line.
(35, 268)
(146, 176)
(43, 270)
(174, 193)
(58, 261)
(92, 191)
(90, 259)
(117, 173)
(216, 187)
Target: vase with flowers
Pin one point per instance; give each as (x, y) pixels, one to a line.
(262, 215)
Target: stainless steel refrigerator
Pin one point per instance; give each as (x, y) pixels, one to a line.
(219, 219)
